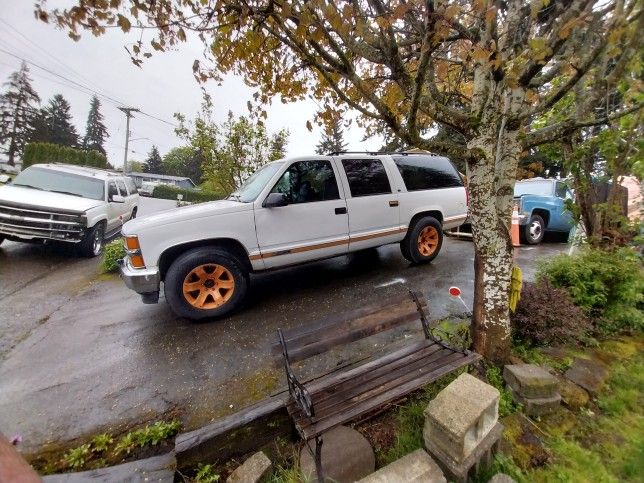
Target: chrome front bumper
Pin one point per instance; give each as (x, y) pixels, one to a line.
(142, 280)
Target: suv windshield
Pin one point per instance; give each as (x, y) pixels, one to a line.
(251, 188)
(543, 188)
(60, 182)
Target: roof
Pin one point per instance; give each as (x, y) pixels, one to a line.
(160, 176)
(79, 170)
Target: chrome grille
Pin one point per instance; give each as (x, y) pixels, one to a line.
(37, 222)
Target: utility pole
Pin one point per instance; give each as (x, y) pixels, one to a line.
(128, 114)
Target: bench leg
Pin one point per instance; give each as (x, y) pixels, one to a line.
(318, 459)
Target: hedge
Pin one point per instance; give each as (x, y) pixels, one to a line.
(55, 153)
(168, 192)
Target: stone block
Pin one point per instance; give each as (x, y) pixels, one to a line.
(529, 380)
(460, 416)
(537, 406)
(347, 456)
(481, 457)
(589, 374)
(502, 478)
(572, 395)
(158, 468)
(416, 467)
(254, 470)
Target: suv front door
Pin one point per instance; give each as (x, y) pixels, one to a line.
(314, 222)
(114, 209)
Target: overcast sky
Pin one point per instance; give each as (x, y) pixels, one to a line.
(163, 86)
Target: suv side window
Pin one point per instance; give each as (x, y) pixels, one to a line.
(308, 181)
(366, 177)
(122, 188)
(131, 186)
(560, 190)
(111, 190)
(427, 172)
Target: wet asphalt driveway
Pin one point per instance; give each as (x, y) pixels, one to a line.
(80, 353)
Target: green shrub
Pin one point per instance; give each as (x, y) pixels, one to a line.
(167, 192)
(75, 458)
(546, 315)
(55, 153)
(608, 285)
(112, 253)
(506, 403)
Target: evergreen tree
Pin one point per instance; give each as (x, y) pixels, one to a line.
(332, 140)
(95, 131)
(58, 119)
(18, 106)
(154, 163)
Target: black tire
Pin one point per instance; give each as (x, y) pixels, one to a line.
(534, 231)
(93, 242)
(431, 230)
(1, 239)
(186, 265)
(134, 213)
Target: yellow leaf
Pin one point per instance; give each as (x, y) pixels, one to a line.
(479, 53)
(452, 11)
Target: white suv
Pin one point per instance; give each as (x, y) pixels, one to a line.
(66, 203)
(288, 212)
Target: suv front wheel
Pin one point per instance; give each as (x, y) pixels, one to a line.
(423, 241)
(92, 243)
(205, 283)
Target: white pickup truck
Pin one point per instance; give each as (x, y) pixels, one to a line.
(65, 203)
(288, 212)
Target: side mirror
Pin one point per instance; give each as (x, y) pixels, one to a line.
(117, 199)
(275, 200)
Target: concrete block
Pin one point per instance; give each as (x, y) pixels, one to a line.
(416, 467)
(347, 456)
(481, 457)
(462, 414)
(158, 468)
(529, 380)
(502, 478)
(254, 470)
(537, 406)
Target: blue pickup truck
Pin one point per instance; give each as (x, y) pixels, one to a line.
(541, 206)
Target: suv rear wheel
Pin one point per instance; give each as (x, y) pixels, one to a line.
(92, 243)
(423, 241)
(205, 283)
(1, 239)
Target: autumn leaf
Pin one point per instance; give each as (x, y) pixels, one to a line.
(124, 23)
(309, 126)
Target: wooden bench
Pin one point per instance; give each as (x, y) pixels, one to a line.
(346, 394)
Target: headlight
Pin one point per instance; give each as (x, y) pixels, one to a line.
(133, 250)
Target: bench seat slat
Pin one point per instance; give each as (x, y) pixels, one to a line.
(359, 324)
(325, 400)
(362, 406)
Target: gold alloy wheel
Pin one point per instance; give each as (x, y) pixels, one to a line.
(208, 286)
(428, 241)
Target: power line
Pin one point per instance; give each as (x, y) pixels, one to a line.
(84, 87)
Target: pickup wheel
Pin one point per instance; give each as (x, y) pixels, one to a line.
(92, 243)
(534, 230)
(423, 241)
(205, 283)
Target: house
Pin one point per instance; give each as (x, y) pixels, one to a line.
(178, 181)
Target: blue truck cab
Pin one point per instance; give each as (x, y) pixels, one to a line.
(541, 206)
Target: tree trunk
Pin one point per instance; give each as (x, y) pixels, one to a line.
(491, 180)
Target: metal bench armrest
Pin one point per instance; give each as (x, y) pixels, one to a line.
(297, 391)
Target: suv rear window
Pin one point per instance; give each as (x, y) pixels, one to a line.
(366, 177)
(427, 172)
(131, 187)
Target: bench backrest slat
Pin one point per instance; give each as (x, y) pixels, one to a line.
(320, 337)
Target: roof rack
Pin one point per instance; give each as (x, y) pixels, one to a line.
(338, 153)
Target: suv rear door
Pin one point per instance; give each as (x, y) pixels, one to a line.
(314, 223)
(372, 202)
